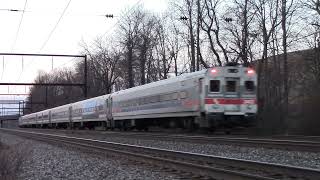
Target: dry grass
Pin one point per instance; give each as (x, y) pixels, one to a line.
(308, 122)
(11, 158)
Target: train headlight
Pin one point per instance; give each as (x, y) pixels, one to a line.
(250, 71)
(213, 71)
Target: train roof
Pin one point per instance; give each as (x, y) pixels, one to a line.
(91, 99)
(185, 76)
(164, 81)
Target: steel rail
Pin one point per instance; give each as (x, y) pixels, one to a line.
(285, 144)
(204, 165)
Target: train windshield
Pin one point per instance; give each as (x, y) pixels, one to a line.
(231, 86)
(249, 85)
(214, 85)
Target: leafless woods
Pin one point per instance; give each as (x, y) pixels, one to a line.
(196, 34)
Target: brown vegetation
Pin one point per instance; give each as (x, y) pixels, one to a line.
(11, 158)
(198, 34)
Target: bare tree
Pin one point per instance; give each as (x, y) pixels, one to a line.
(127, 32)
(211, 25)
(146, 37)
(104, 61)
(242, 29)
(314, 5)
(162, 50)
(186, 10)
(171, 33)
(267, 12)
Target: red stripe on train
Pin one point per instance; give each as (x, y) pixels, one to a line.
(230, 101)
(209, 101)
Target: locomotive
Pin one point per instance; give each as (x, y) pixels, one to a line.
(215, 97)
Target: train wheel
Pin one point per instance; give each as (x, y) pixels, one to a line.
(212, 129)
(227, 131)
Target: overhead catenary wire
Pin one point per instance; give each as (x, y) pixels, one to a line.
(52, 31)
(56, 25)
(68, 62)
(54, 28)
(2, 67)
(44, 44)
(17, 33)
(54, 13)
(12, 10)
(19, 26)
(50, 34)
(118, 21)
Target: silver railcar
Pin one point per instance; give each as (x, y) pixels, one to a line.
(206, 99)
(209, 98)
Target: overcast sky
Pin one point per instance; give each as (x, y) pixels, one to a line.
(37, 29)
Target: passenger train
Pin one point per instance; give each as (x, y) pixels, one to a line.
(215, 97)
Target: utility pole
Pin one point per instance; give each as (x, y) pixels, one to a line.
(198, 36)
(285, 64)
(85, 77)
(46, 103)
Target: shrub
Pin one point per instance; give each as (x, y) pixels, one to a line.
(11, 158)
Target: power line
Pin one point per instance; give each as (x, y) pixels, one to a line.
(68, 62)
(2, 67)
(17, 33)
(54, 13)
(50, 34)
(126, 13)
(305, 36)
(12, 10)
(54, 28)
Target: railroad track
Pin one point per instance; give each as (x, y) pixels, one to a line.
(280, 142)
(187, 164)
(286, 144)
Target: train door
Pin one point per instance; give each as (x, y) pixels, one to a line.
(106, 110)
(109, 107)
(36, 120)
(201, 93)
(106, 104)
(109, 112)
(49, 116)
(41, 119)
(232, 94)
(70, 116)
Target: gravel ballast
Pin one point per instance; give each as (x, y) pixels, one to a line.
(46, 161)
(294, 158)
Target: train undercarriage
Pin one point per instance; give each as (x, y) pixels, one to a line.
(203, 123)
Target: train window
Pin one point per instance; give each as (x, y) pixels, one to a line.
(214, 85)
(200, 84)
(154, 99)
(141, 101)
(232, 70)
(183, 95)
(174, 96)
(231, 86)
(168, 97)
(249, 85)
